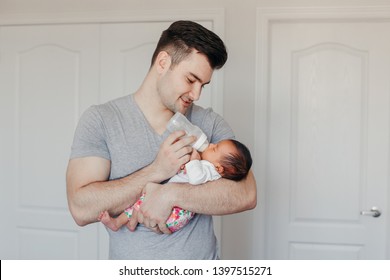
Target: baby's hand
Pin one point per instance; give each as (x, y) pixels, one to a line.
(195, 155)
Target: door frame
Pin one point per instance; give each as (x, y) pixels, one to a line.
(264, 19)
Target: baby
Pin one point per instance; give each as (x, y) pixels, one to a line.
(229, 159)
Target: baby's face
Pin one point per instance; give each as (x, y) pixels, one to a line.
(215, 152)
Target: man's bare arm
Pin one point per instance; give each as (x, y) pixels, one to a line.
(218, 197)
(90, 192)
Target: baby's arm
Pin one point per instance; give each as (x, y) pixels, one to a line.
(193, 170)
(197, 173)
(195, 155)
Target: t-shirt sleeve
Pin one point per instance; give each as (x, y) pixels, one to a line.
(216, 126)
(222, 130)
(90, 136)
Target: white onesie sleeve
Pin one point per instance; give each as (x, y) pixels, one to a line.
(201, 171)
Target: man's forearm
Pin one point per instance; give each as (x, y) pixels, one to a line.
(113, 196)
(86, 202)
(218, 197)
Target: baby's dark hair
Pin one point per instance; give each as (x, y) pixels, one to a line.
(182, 37)
(237, 165)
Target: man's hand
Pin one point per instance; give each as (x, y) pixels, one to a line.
(133, 222)
(174, 152)
(154, 211)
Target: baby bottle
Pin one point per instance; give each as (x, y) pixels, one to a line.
(180, 122)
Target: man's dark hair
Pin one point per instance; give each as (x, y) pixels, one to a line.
(182, 37)
(237, 165)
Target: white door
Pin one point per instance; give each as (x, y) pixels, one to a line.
(48, 75)
(328, 142)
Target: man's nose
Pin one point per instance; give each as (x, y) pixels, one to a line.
(195, 93)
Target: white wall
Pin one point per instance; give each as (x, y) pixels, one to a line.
(240, 231)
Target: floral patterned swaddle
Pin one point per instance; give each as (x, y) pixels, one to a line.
(178, 218)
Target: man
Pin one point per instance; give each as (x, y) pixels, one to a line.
(122, 150)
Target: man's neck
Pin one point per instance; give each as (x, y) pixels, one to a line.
(154, 111)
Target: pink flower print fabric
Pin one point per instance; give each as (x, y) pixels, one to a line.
(177, 220)
(136, 206)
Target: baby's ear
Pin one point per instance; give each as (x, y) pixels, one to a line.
(219, 168)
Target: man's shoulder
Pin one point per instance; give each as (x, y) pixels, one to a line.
(198, 114)
(212, 124)
(116, 104)
(110, 109)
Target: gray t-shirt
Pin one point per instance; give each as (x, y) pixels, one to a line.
(118, 131)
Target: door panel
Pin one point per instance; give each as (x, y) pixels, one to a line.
(328, 142)
(48, 75)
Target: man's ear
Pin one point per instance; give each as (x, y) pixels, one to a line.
(163, 61)
(219, 169)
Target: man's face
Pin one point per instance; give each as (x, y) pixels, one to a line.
(182, 85)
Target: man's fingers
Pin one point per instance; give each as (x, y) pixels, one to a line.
(133, 221)
(174, 136)
(156, 230)
(186, 141)
(184, 151)
(163, 228)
